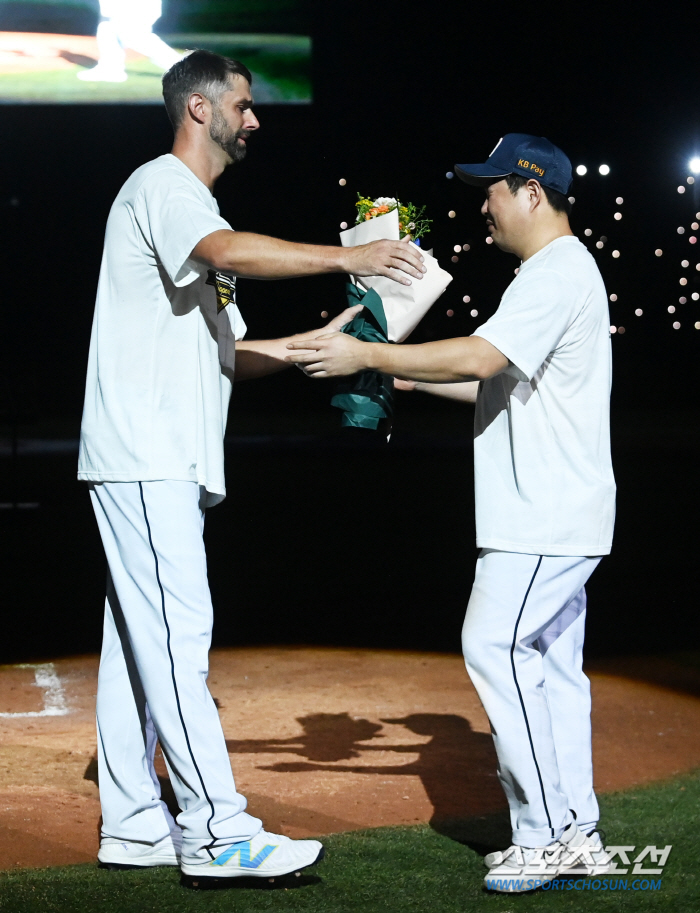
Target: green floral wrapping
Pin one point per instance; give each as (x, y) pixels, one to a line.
(367, 397)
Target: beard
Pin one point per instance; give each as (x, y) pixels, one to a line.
(226, 137)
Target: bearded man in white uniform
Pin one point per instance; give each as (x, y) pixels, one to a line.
(545, 500)
(158, 385)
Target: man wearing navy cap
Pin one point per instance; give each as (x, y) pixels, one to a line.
(545, 500)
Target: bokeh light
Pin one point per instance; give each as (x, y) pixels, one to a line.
(456, 248)
(572, 200)
(680, 230)
(685, 263)
(604, 169)
(466, 247)
(694, 165)
(455, 259)
(324, 314)
(692, 239)
(619, 201)
(613, 297)
(690, 180)
(343, 225)
(452, 213)
(683, 281)
(639, 312)
(489, 240)
(682, 300)
(695, 226)
(616, 254)
(588, 232)
(617, 216)
(449, 175)
(676, 325)
(659, 252)
(474, 313)
(695, 296)
(671, 309)
(680, 188)
(599, 245)
(342, 182)
(450, 313)
(613, 329)
(581, 169)
(620, 330)
(466, 299)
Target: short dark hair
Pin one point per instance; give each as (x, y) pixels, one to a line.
(556, 200)
(199, 71)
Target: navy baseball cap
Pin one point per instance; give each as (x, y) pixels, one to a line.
(529, 156)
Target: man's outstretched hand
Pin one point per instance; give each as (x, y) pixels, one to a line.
(337, 323)
(330, 355)
(398, 260)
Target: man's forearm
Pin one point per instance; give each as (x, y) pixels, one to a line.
(465, 358)
(255, 256)
(464, 392)
(260, 357)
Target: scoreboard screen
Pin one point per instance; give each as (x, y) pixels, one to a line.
(116, 51)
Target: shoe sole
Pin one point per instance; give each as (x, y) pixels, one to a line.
(246, 879)
(127, 866)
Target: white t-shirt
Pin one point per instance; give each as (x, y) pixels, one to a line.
(162, 349)
(543, 473)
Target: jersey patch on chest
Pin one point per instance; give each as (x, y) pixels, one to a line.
(225, 288)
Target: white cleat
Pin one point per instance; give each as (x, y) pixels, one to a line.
(585, 855)
(103, 74)
(130, 854)
(265, 855)
(520, 869)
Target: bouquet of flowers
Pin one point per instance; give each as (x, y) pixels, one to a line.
(411, 220)
(392, 311)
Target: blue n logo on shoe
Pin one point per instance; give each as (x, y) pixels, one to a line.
(244, 859)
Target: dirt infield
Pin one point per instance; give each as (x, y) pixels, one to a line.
(321, 741)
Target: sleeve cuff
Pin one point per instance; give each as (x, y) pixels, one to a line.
(517, 368)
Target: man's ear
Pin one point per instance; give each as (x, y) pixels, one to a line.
(198, 107)
(534, 192)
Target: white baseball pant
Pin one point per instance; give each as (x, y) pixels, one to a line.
(153, 672)
(523, 647)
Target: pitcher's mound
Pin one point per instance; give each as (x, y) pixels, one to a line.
(321, 741)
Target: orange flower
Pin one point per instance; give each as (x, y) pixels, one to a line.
(383, 208)
(373, 212)
(367, 217)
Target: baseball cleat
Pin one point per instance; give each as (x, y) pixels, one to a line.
(585, 855)
(103, 74)
(265, 856)
(520, 869)
(131, 854)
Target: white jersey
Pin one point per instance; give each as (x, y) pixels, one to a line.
(543, 473)
(163, 338)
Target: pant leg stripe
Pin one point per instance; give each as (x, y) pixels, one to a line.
(172, 673)
(520, 696)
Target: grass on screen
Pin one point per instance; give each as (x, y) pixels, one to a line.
(280, 65)
(397, 869)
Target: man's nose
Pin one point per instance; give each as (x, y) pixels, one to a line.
(252, 123)
(485, 208)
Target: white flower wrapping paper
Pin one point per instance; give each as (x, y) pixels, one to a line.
(404, 305)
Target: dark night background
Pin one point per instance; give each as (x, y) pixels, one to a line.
(402, 92)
